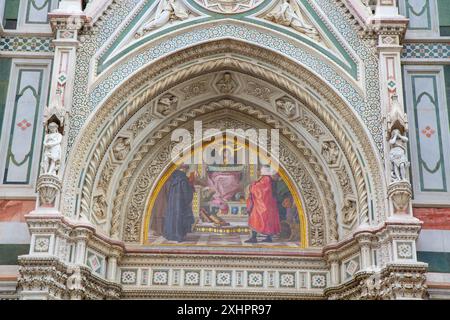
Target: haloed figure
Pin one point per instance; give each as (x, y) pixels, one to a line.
(262, 207)
(179, 218)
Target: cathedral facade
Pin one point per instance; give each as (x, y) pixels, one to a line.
(354, 93)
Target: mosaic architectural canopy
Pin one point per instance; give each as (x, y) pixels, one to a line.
(119, 115)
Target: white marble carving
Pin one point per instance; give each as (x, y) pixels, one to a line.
(289, 14)
(121, 148)
(167, 104)
(52, 150)
(226, 84)
(229, 6)
(397, 155)
(330, 152)
(167, 10)
(286, 106)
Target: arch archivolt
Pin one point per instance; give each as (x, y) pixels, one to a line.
(295, 83)
(148, 165)
(302, 163)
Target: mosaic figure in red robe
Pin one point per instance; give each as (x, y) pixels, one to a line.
(262, 207)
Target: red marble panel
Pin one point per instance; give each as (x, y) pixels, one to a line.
(433, 218)
(15, 210)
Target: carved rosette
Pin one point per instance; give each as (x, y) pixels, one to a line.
(48, 187)
(399, 194)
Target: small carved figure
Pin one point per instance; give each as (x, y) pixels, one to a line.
(226, 85)
(74, 281)
(166, 11)
(167, 104)
(99, 207)
(121, 148)
(372, 287)
(349, 211)
(330, 151)
(52, 150)
(397, 155)
(286, 107)
(288, 14)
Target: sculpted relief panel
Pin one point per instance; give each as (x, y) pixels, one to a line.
(231, 63)
(167, 11)
(220, 193)
(222, 210)
(288, 13)
(229, 6)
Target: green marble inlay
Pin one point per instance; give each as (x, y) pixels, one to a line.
(349, 65)
(10, 252)
(106, 59)
(29, 156)
(435, 103)
(5, 66)
(11, 12)
(32, 3)
(437, 261)
(418, 11)
(444, 17)
(447, 89)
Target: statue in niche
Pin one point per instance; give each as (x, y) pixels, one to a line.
(289, 14)
(52, 150)
(166, 11)
(397, 155)
(226, 84)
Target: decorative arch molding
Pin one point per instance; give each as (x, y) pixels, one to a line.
(97, 9)
(123, 109)
(363, 96)
(112, 47)
(73, 258)
(334, 52)
(150, 161)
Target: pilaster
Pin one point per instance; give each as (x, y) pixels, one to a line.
(58, 267)
(66, 21)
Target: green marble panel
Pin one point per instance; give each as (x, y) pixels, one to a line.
(10, 252)
(437, 261)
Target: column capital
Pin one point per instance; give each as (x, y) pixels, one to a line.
(63, 21)
(388, 30)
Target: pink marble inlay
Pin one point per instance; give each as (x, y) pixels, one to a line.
(15, 210)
